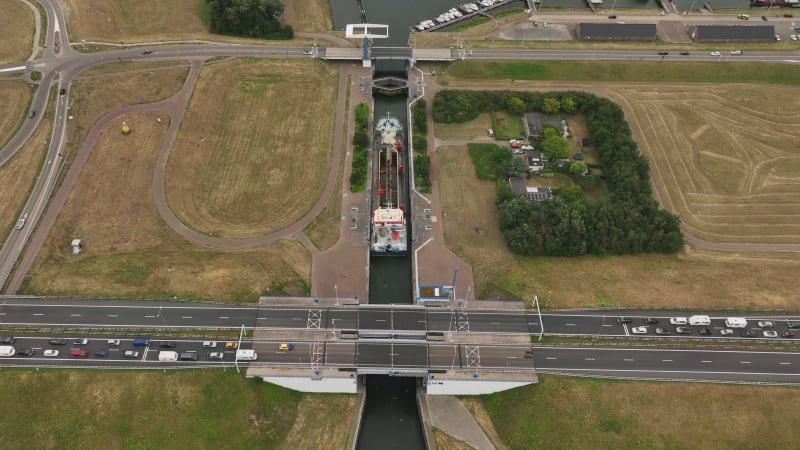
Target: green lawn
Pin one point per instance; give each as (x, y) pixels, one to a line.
(573, 413)
(88, 409)
(623, 71)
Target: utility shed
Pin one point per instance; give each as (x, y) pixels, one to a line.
(734, 33)
(616, 31)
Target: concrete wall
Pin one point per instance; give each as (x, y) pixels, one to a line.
(306, 384)
(470, 387)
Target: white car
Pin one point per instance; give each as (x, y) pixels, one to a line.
(716, 54)
(770, 334)
(736, 52)
(639, 330)
(51, 353)
(726, 332)
(777, 37)
(793, 37)
(678, 320)
(766, 324)
(209, 344)
(83, 341)
(113, 342)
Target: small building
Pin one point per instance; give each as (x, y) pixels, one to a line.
(534, 121)
(616, 31)
(586, 142)
(77, 246)
(535, 161)
(734, 33)
(536, 194)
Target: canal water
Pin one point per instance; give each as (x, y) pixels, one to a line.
(401, 15)
(391, 419)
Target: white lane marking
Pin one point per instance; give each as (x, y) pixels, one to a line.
(2, 314)
(495, 323)
(150, 317)
(572, 369)
(628, 359)
(380, 320)
(186, 317)
(419, 321)
(570, 324)
(224, 317)
(744, 362)
(13, 69)
(608, 324)
(664, 350)
(512, 357)
(706, 361)
(535, 324)
(784, 363)
(38, 314)
(589, 359)
(551, 357)
(625, 327)
(74, 315)
(666, 360)
(113, 315)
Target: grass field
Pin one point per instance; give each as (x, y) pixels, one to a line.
(19, 174)
(16, 31)
(308, 15)
(131, 252)
(621, 71)
(253, 151)
(569, 413)
(109, 87)
(208, 409)
(473, 130)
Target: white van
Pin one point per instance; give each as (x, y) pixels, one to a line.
(699, 320)
(167, 356)
(736, 322)
(7, 351)
(246, 355)
(678, 320)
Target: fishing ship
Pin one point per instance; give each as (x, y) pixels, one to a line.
(388, 216)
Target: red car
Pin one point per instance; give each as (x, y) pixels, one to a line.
(78, 353)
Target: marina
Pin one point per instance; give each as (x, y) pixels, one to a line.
(463, 12)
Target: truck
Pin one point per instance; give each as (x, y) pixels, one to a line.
(167, 356)
(736, 322)
(699, 320)
(246, 355)
(7, 351)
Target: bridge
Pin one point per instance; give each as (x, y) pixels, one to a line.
(388, 53)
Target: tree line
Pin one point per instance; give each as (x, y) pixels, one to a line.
(419, 137)
(627, 221)
(252, 18)
(358, 164)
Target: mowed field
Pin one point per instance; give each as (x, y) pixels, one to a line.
(726, 159)
(18, 175)
(308, 15)
(690, 279)
(208, 409)
(16, 31)
(129, 250)
(254, 148)
(568, 413)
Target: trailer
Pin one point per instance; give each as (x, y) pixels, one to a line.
(167, 356)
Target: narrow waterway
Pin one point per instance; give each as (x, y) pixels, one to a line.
(391, 418)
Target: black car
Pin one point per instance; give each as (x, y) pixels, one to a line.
(663, 331)
(613, 16)
(147, 52)
(32, 114)
(650, 320)
(62, 91)
(663, 53)
(790, 324)
(167, 344)
(683, 330)
(26, 352)
(59, 341)
(705, 331)
(623, 320)
(788, 16)
(188, 356)
(749, 333)
(787, 334)
(764, 18)
(684, 53)
(7, 340)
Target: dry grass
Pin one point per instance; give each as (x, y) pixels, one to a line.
(446, 442)
(476, 407)
(474, 130)
(726, 159)
(16, 31)
(130, 251)
(109, 87)
(15, 96)
(643, 415)
(323, 421)
(19, 174)
(693, 278)
(253, 151)
(308, 15)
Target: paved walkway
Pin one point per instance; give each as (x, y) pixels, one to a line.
(449, 415)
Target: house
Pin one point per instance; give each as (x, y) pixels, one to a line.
(616, 31)
(535, 161)
(536, 194)
(534, 121)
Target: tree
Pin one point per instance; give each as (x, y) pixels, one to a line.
(515, 105)
(551, 105)
(517, 167)
(555, 147)
(578, 168)
(568, 105)
(256, 18)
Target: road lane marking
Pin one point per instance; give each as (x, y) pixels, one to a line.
(744, 362)
(2, 314)
(512, 357)
(570, 324)
(75, 315)
(589, 359)
(666, 360)
(38, 314)
(380, 320)
(186, 317)
(495, 323)
(625, 327)
(535, 324)
(784, 363)
(224, 317)
(628, 359)
(706, 361)
(150, 317)
(113, 315)
(551, 357)
(608, 324)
